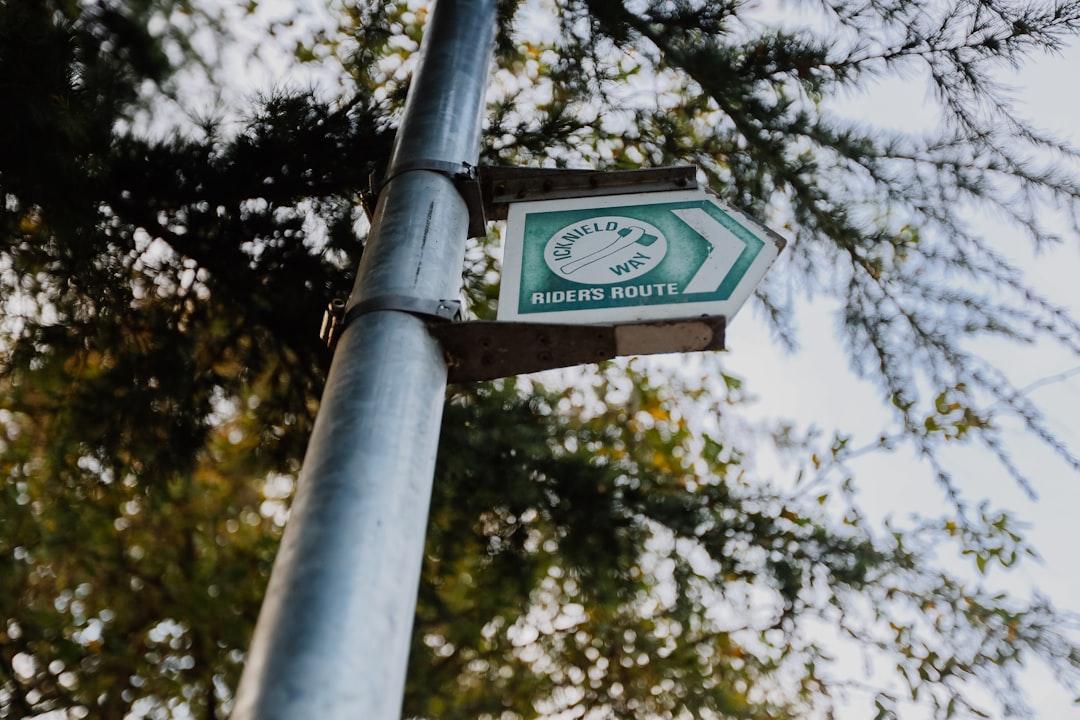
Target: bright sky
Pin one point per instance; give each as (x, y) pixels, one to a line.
(815, 387)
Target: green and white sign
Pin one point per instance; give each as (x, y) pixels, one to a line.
(630, 258)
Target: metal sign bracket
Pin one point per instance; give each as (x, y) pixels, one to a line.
(502, 186)
(488, 191)
(488, 350)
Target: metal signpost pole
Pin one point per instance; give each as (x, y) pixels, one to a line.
(333, 636)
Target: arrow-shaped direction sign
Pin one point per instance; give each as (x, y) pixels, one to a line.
(631, 258)
(724, 250)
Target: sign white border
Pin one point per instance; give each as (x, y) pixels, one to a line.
(514, 243)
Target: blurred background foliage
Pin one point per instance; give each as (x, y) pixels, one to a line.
(597, 546)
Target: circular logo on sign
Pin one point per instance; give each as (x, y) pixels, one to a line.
(605, 250)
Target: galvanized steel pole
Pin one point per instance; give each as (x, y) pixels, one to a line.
(333, 636)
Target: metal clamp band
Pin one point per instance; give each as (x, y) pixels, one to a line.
(456, 171)
(466, 179)
(336, 318)
(445, 310)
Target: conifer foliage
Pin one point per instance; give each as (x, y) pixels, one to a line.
(598, 550)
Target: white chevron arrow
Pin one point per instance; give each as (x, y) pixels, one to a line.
(724, 250)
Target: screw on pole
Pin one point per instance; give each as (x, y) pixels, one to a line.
(333, 635)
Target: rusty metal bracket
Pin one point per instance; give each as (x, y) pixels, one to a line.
(502, 186)
(479, 350)
(488, 350)
(332, 322)
(488, 191)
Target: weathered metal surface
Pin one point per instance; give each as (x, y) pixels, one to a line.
(488, 350)
(501, 186)
(333, 636)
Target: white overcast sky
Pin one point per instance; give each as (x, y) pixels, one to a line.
(814, 386)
